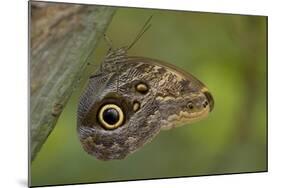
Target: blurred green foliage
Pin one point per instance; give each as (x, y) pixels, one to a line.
(226, 52)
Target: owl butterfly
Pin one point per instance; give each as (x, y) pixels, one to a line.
(130, 99)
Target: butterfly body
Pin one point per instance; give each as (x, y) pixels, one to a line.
(130, 99)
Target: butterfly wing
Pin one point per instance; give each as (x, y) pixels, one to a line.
(146, 95)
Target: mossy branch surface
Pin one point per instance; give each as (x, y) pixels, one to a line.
(62, 37)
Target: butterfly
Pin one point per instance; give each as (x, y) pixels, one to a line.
(130, 99)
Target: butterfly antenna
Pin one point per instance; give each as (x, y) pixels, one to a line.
(144, 28)
(108, 41)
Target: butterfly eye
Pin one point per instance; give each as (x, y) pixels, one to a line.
(111, 116)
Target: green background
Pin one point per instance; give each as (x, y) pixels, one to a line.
(227, 53)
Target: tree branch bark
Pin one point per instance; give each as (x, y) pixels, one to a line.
(62, 36)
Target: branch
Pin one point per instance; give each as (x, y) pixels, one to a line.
(62, 38)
